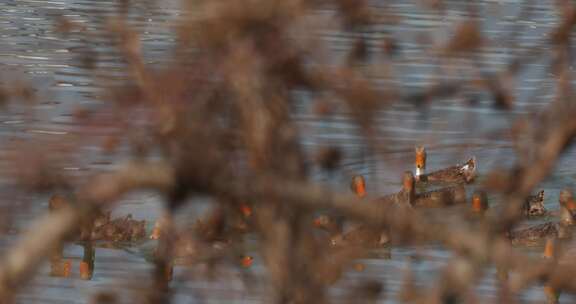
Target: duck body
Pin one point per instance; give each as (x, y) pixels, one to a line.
(122, 229)
(561, 229)
(441, 197)
(536, 234)
(359, 236)
(362, 236)
(102, 227)
(463, 174)
(402, 198)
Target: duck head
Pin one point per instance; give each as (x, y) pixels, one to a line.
(479, 202)
(567, 207)
(358, 185)
(468, 169)
(534, 205)
(420, 160)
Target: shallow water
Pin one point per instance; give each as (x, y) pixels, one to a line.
(451, 129)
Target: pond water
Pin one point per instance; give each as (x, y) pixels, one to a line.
(452, 129)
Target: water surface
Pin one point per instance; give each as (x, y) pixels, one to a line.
(452, 129)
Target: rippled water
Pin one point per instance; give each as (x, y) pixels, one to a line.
(31, 50)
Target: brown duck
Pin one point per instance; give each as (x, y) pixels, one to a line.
(443, 197)
(407, 195)
(102, 227)
(560, 229)
(463, 173)
(363, 235)
(403, 197)
(202, 242)
(373, 237)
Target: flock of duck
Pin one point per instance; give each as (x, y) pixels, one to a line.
(449, 190)
(444, 188)
(207, 240)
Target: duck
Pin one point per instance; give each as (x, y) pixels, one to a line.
(408, 197)
(442, 197)
(220, 223)
(463, 173)
(121, 229)
(102, 227)
(206, 239)
(473, 213)
(328, 224)
(534, 205)
(560, 229)
(362, 235)
(365, 236)
(190, 247)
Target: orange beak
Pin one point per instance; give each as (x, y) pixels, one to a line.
(246, 261)
(246, 210)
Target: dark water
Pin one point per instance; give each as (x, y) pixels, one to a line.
(31, 50)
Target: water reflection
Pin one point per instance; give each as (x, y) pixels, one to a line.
(59, 267)
(87, 263)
